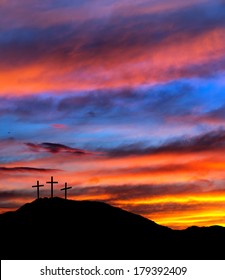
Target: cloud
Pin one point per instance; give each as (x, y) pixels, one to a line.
(10, 200)
(55, 148)
(115, 51)
(210, 141)
(157, 103)
(12, 194)
(213, 140)
(124, 122)
(25, 169)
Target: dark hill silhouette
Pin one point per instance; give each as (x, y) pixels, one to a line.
(55, 228)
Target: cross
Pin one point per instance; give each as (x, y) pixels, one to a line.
(52, 183)
(65, 189)
(37, 186)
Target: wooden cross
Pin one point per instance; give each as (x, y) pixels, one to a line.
(37, 186)
(65, 189)
(52, 183)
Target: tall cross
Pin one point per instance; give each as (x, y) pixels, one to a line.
(37, 186)
(65, 189)
(52, 182)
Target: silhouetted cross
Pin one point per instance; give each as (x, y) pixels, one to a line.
(52, 183)
(65, 189)
(37, 186)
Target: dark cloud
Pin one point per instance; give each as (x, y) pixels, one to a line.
(10, 200)
(15, 194)
(55, 148)
(214, 140)
(25, 169)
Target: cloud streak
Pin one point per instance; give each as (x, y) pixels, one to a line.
(24, 169)
(55, 148)
(210, 141)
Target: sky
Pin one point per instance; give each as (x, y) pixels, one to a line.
(124, 100)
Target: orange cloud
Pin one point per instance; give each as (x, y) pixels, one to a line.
(177, 56)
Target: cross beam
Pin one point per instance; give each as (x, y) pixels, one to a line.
(52, 182)
(65, 189)
(37, 186)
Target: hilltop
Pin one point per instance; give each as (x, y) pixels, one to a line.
(55, 228)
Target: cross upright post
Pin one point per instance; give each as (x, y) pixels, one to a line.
(65, 189)
(37, 186)
(52, 182)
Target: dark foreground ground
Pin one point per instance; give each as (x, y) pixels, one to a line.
(54, 228)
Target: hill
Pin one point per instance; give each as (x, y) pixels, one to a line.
(54, 228)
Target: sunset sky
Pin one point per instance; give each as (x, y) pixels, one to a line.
(124, 100)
